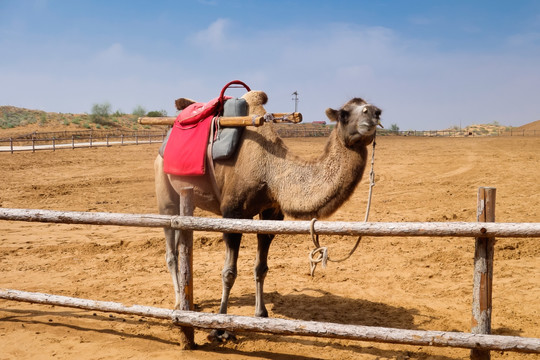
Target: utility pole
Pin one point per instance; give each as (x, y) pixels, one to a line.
(295, 98)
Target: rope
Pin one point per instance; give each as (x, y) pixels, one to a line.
(322, 251)
(268, 117)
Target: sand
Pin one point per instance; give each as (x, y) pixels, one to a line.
(408, 283)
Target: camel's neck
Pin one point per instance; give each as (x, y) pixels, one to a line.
(316, 189)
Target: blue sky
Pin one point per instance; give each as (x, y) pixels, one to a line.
(427, 64)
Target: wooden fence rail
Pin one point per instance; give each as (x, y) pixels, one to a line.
(412, 229)
(290, 327)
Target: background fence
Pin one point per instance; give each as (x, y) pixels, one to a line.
(93, 138)
(78, 139)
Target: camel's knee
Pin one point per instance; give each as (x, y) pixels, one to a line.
(169, 207)
(229, 277)
(260, 272)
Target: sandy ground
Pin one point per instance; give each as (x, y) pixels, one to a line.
(409, 283)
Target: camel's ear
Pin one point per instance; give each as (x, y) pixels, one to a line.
(332, 114)
(183, 103)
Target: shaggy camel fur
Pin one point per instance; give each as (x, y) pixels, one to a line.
(265, 179)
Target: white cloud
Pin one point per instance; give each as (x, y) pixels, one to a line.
(214, 36)
(530, 39)
(113, 54)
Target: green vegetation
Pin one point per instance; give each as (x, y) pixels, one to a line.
(157, 113)
(138, 111)
(101, 117)
(101, 114)
(18, 117)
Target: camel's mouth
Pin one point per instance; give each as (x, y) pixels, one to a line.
(368, 126)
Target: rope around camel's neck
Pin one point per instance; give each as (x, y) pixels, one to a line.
(323, 256)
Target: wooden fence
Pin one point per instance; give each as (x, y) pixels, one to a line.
(478, 340)
(83, 140)
(459, 133)
(95, 138)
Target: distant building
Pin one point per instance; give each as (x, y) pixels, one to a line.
(320, 122)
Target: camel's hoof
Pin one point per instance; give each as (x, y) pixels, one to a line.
(221, 336)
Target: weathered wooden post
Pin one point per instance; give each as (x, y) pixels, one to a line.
(483, 271)
(185, 266)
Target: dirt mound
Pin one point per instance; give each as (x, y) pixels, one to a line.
(16, 121)
(535, 125)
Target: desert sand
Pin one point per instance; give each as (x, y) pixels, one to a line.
(408, 283)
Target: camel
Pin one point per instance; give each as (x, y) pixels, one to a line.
(263, 178)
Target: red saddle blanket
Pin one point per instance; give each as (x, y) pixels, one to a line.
(185, 152)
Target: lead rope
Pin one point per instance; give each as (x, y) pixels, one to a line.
(322, 251)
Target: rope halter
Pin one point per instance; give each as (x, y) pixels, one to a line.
(320, 253)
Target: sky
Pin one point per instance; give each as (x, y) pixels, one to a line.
(428, 64)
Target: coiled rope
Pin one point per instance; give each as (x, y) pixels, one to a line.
(320, 253)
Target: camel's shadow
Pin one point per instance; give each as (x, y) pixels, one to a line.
(320, 305)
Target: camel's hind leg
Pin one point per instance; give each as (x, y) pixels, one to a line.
(261, 261)
(169, 204)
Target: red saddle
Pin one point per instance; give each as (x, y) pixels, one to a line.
(185, 151)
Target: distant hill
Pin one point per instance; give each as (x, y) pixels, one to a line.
(535, 125)
(15, 120)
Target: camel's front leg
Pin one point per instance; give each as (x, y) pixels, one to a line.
(261, 262)
(261, 269)
(228, 275)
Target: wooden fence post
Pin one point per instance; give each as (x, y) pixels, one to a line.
(483, 271)
(185, 266)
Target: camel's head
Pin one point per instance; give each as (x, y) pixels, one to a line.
(356, 121)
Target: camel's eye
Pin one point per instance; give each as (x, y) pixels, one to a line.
(365, 110)
(344, 116)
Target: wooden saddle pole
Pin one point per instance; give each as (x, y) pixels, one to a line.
(232, 121)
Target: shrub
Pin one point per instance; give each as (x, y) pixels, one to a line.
(139, 111)
(157, 113)
(100, 113)
(394, 127)
(43, 119)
